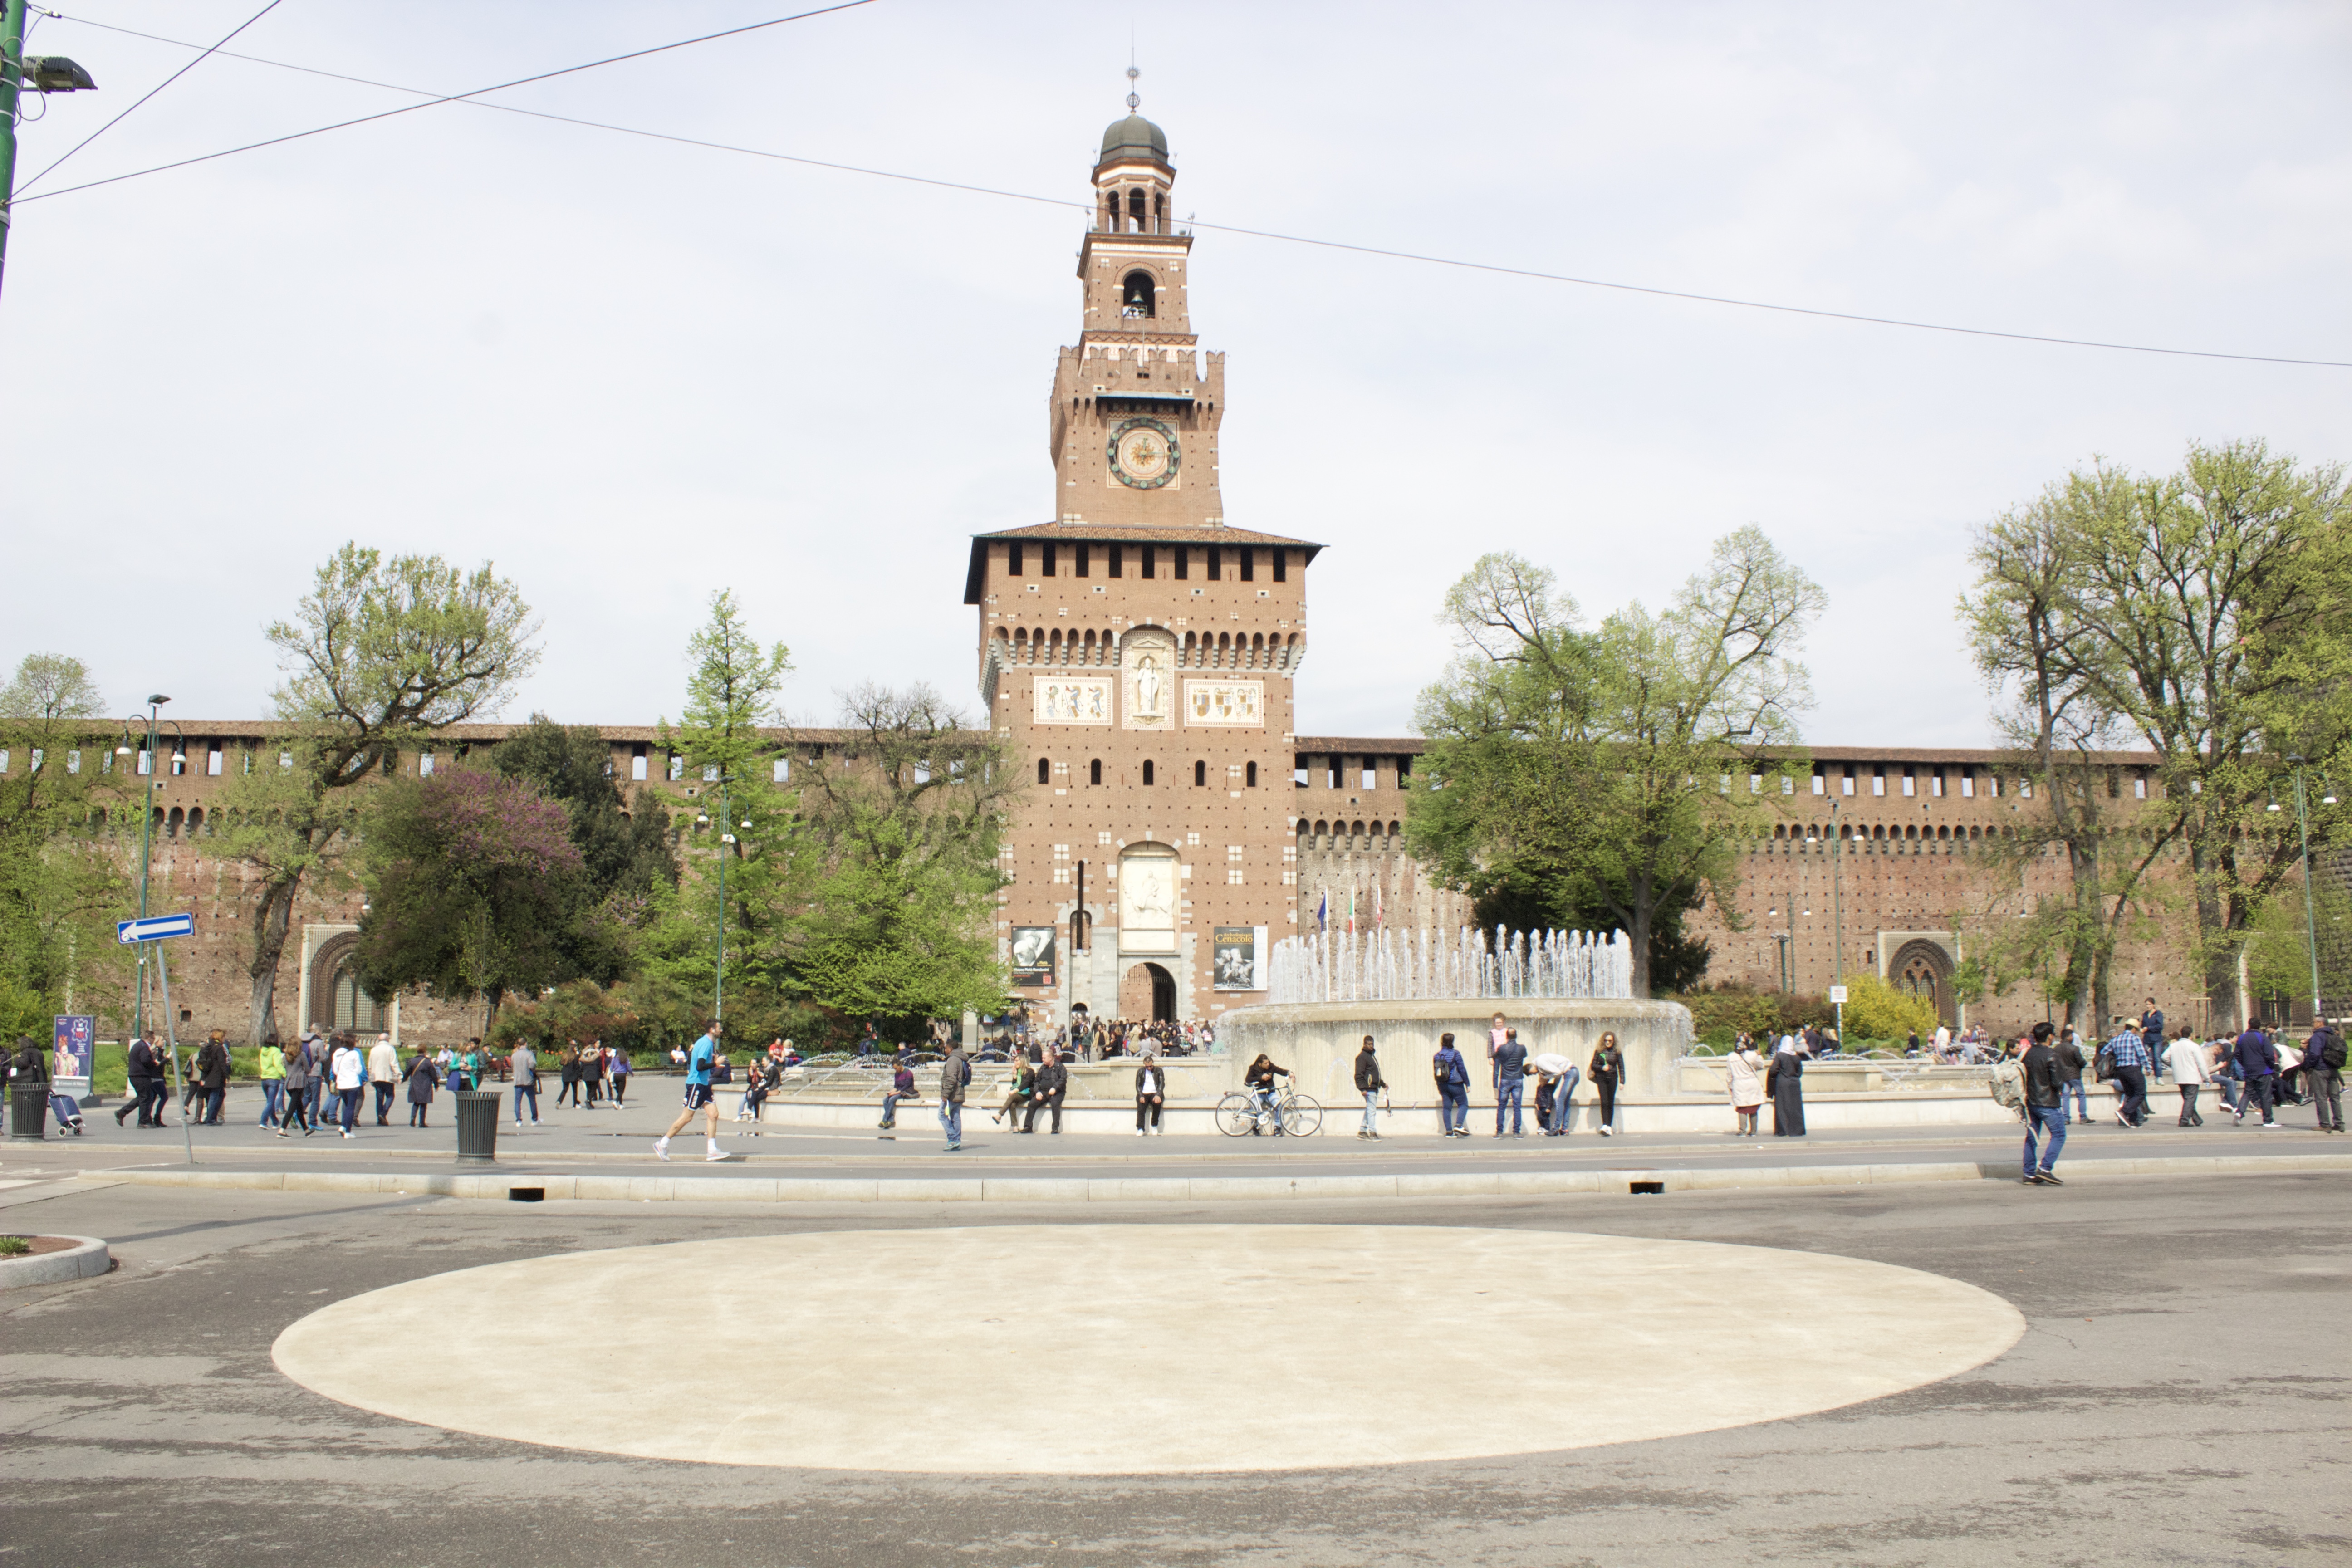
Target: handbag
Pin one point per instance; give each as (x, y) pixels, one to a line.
(2105, 1066)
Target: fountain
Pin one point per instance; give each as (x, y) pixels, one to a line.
(1561, 989)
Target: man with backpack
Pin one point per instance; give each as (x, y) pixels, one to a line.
(2033, 1079)
(2323, 1075)
(1453, 1077)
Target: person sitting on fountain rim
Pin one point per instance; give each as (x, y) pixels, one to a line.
(1260, 1079)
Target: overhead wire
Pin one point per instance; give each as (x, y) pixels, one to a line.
(446, 98)
(151, 92)
(475, 100)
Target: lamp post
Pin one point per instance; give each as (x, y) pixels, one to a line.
(44, 74)
(146, 826)
(2310, 920)
(1837, 923)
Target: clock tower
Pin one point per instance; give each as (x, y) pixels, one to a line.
(1138, 655)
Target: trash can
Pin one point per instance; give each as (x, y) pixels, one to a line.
(478, 1125)
(28, 1111)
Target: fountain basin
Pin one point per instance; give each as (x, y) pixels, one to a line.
(1318, 1041)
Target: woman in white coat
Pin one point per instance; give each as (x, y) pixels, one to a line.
(1745, 1072)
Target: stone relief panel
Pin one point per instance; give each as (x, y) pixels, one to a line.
(1147, 899)
(1231, 703)
(1148, 659)
(1068, 699)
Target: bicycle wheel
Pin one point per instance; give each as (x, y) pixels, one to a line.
(1236, 1114)
(1301, 1117)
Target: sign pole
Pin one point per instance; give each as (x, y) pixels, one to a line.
(172, 1034)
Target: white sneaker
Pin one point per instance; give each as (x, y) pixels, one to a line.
(717, 1154)
(661, 1148)
(1139, 1132)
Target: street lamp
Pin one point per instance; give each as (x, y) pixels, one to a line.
(2310, 922)
(42, 73)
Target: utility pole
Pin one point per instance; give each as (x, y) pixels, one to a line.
(726, 844)
(146, 801)
(54, 73)
(12, 75)
(1837, 921)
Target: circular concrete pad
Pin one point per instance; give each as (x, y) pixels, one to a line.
(1142, 1349)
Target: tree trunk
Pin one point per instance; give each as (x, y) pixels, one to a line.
(271, 920)
(1639, 935)
(2220, 954)
(491, 997)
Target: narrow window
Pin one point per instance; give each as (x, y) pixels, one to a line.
(1094, 772)
(1200, 774)
(783, 770)
(676, 767)
(1910, 781)
(1878, 781)
(1404, 771)
(1184, 561)
(1117, 561)
(1821, 784)
(1371, 778)
(2139, 788)
(1845, 781)
(1216, 563)
(1147, 773)
(1936, 783)
(1968, 786)
(1150, 562)
(1249, 565)
(1046, 568)
(1252, 773)
(1045, 771)
(638, 763)
(1282, 565)
(1013, 560)
(1084, 552)
(425, 764)
(213, 763)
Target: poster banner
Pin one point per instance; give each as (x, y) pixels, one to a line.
(77, 1045)
(1032, 955)
(1238, 957)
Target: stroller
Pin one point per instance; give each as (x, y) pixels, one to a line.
(68, 1110)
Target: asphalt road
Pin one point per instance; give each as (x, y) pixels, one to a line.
(2180, 1398)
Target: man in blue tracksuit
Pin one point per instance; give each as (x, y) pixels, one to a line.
(1510, 1081)
(2258, 1060)
(1453, 1089)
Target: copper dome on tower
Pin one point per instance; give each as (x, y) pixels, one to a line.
(1135, 134)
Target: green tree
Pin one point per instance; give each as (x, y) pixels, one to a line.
(905, 806)
(2214, 613)
(1601, 777)
(476, 890)
(624, 853)
(60, 887)
(381, 653)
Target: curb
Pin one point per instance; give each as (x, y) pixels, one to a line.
(1179, 1189)
(80, 1262)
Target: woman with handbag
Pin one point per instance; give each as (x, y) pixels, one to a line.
(1744, 1072)
(1608, 1070)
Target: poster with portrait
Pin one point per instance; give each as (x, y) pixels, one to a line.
(1032, 955)
(76, 1044)
(1238, 958)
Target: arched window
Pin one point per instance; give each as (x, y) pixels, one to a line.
(1045, 771)
(1136, 209)
(1252, 775)
(171, 825)
(1137, 296)
(1200, 774)
(1147, 772)
(1094, 772)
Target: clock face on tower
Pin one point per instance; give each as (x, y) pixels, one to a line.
(1144, 454)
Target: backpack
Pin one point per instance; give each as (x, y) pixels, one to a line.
(2105, 1065)
(2009, 1083)
(2332, 1052)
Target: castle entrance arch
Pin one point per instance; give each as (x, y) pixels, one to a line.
(1147, 990)
(1925, 969)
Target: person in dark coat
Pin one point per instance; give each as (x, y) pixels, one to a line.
(1608, 1070)
(213, 1075)
(147, 1090)
(1453, 1089)
(1783, 1080)
(1150, 1094)
(1371, 1085)
(1510, 1082)
(1053, 1082)
(423, 1078)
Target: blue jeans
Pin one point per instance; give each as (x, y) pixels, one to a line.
(1371, 1104)
(273, 1101)
(1563, 1105)
(951, 1119)
(532, 1089)
(2049, 1118)
(2073, 1085)
(350, 1098)
(1453, 1106)
(890, 1109)
(1508, 1092)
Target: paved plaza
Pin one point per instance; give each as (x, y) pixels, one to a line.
(2137, 1369)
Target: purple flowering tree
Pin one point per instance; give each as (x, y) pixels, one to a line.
(475, 889)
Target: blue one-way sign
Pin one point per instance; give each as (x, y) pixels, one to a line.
(153, 927)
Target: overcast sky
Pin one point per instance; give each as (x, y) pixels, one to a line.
(632, 373)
